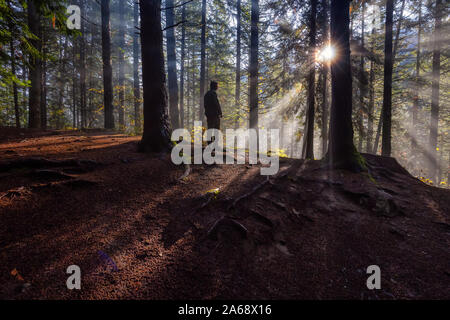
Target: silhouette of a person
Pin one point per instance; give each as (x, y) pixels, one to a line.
(213, 111)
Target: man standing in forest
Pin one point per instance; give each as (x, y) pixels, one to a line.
(213, 111)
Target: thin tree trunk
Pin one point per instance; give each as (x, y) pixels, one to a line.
(34, 24)
(237, 96)
(156, 136)
(434, 116)
(13, 72)
(415, 108)
(107, 69)
(362, 86)
(203, 62)
(82, 44)
(397, 38)
(371, 106)
(308, 147)
(182, 71)
(324, 76)
(121, 61)
(341, 151)
(137, 90)
(387, 94)
(254, 64)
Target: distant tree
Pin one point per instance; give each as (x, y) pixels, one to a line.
(156, 137)
(387, 93)
(203, 62)
(34, 24)
(254, 64)
(371, 105)
(237, 95)
(136, 51)
(362, 81)
(13, 66)
(82, 46)
(107, 68)
(416, 95)
(434, 116)
(121, 62)
(182, 62)
(172, 65)
(308, 142)
(324, 78)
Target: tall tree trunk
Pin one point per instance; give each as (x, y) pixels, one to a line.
(308, 147)
(34, 24)
(254, 64)
(397, 39)
(172, 65)
(13, 71)
(76, 111)
(324, 76)
(203, 62)
(362, 83)
(82, 44)
(415, 108)
(156, 137)
(182, 71)
(434, 116)
(387, 94)
(43, 102)
(137, 90)
(121, 61)
(237, 96)
(107, 69)
(193, 84)
(341, 151)
(371, 106)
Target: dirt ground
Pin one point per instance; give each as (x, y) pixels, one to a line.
(72, 198)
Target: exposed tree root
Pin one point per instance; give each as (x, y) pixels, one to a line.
(226, 223)
(37, 163)
(255, 189)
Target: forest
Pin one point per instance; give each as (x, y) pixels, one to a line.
(93, 91)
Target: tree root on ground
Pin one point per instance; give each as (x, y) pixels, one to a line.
(37, 163)
(226, 222)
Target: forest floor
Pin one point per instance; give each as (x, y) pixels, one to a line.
(73, 198)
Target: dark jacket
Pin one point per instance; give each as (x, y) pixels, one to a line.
(212, 105)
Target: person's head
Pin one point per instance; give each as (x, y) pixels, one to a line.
(214, 85)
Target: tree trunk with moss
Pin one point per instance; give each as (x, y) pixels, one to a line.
(341, 151)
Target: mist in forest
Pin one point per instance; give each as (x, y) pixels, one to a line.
(290, 42)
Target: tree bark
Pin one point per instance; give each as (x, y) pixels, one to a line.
(324, 76)
(156, 136)
(371, 106)
(203, 63)
(254, 64)
(415, 107)
(13, 71)
(362, 83)
(136, 82)
(237, 96)
(107, 68)
(341, 151)
(34, 24)
(172, 65)
(434, 116)
(182, 71)
(387, 93)
(121, 61)
(82, 43)
(308, 142)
